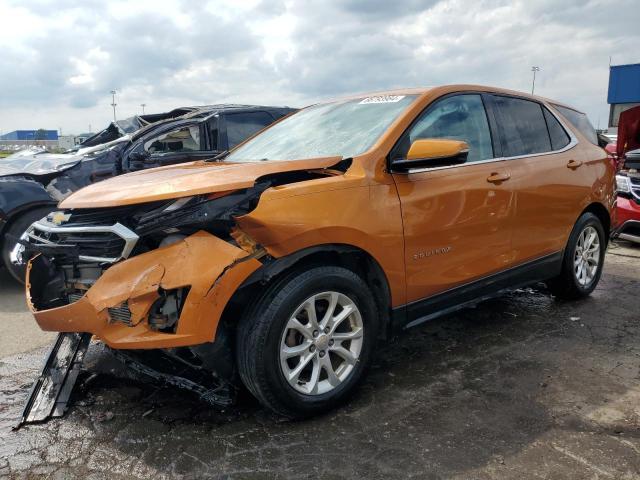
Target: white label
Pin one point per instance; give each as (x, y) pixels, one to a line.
(382, 99)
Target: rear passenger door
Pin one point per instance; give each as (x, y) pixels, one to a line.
(544, 164)
(237, 127)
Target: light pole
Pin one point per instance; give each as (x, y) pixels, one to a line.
(533, 86)
(143, 105)
(113, 103)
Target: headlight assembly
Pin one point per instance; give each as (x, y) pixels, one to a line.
(623, 184)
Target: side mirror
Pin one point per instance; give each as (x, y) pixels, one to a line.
(433, 152)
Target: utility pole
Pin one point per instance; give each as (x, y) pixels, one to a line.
(143, 105)
(113, 103)
(533, 86)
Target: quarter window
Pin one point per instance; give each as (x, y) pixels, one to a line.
(524, 130)
(459, 117)
(581, 122)
(559, 137)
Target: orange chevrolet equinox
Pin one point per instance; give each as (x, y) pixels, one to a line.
(279, 265)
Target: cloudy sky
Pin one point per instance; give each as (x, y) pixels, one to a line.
(59, 59)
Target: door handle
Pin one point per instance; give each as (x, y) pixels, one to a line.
(573, 164)
(498, 177)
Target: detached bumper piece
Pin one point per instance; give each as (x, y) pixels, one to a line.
(169, 370)
(50, 393)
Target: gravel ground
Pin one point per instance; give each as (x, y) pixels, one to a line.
(519, 387)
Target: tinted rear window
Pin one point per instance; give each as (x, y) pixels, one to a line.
(581, 122)
(559, 137)
(524, 130)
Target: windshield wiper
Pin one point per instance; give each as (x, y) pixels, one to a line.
(218, 157)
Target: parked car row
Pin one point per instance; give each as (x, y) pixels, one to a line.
(281, 264)
(32, 185)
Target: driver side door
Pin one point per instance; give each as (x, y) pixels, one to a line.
(457, 219)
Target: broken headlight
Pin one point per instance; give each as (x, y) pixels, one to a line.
(214, 213)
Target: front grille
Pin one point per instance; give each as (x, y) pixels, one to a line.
(121, 314)
(102, 244)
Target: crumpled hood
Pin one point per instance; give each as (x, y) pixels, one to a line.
(183, 180)
(37, 163)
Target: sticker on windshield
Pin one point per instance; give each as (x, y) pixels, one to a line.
(382, 99)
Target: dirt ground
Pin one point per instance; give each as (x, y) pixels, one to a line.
(519, 387)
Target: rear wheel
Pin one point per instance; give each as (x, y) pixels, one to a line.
(16, 229)
(307, 341)
(583, 260)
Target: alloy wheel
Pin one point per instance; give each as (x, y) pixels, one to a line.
(321, 343)
(586, 259)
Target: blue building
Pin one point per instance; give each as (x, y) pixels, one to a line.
(31, 135)
(624, 91)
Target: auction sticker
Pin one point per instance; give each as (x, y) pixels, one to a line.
(382, 99)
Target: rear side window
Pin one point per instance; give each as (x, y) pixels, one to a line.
(524, 129)
(581, 122)
(559, 137)
(240, 126)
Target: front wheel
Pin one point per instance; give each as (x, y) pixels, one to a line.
(307, 342)
(583, 260)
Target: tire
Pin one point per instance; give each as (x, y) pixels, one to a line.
(267, 330)
(16, 229)
(573, 283)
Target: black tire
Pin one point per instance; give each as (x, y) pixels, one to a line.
(566, 285)
(16, 229)
(261, 331)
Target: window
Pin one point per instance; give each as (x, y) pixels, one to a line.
(459, 117)
(185, 139)
(559, 137)
(524, 130)
(581, 122)
(241, 126)
(213, 132)
(344, 128)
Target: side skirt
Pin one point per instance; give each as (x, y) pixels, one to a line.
(415, 313)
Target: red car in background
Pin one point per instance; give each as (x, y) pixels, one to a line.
(626, 152)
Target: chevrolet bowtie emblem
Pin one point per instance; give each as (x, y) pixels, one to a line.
(58, 218)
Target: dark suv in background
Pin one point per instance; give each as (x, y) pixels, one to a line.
(31, 186)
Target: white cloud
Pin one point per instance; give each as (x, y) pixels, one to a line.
(61, 58)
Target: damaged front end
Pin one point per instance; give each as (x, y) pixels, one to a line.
(145, 276)
(151, 279)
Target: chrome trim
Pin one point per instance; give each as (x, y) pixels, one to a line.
(628, 236)
(129, 237)
(573, 141)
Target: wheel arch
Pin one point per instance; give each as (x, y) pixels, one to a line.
(600, 211)
(353, 258)
(19, 195)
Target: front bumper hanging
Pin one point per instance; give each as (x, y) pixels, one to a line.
(210, 268)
